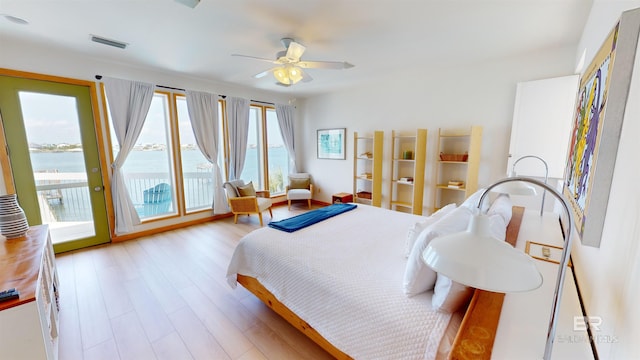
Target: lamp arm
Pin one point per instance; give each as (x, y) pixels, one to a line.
(564, 260)
(546, 167)
(546, 174)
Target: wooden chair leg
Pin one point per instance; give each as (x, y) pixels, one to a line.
(289, 204)
(260, 216)
(309, 202)
(235, 218)
(270, 213)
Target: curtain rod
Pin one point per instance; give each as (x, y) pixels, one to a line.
(99, 77)
(262, 102)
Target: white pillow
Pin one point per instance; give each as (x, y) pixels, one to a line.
(418, 277)
(417, 228)
(502, 206)
(448, 295)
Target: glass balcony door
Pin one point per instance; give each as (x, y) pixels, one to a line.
(53, 151)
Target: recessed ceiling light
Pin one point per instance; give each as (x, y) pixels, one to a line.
(110, 42)
(15, 19)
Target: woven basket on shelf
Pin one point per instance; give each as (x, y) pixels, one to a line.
(364, 195)
(454, 157)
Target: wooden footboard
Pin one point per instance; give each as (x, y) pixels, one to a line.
(263, 294)
(476, 334)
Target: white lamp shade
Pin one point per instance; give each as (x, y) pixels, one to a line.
(475, 258)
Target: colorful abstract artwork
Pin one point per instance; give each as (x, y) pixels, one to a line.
(587, 132)
(597, 124)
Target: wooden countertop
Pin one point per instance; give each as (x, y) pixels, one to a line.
(20, 261)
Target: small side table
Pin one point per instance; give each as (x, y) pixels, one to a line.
(341, 198)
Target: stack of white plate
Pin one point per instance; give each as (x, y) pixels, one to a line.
(13, 222)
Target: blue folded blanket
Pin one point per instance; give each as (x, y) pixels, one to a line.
(311, 217)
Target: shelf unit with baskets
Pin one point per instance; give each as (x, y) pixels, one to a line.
(408, 159)
(367, 168)
(457, 165)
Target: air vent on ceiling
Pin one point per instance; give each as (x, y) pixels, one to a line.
(105, 41)
(15, 19)
(190, 3)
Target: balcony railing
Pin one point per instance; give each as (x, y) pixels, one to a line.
(64, 197)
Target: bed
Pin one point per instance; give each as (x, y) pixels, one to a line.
(340, 282)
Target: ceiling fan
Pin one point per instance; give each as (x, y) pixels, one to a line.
(289, 64)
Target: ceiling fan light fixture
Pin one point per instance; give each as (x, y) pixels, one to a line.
(281, 74)
(288, 75)
(295, 74)
(289, 66)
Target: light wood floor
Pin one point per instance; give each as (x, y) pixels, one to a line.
(166, 297)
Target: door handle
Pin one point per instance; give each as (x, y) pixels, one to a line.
(97, 188)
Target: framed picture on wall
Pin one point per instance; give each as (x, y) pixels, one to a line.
(597, 124)
(331, 144)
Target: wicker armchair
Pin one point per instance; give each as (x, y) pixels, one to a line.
(300, 188)
(251, 204)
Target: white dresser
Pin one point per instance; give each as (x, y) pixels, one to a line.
(30, 323)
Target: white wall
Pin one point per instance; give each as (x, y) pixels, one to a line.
(609, 276)
(482, 94)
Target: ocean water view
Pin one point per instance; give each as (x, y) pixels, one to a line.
(156, 161)
(144, 170)
(140, 161)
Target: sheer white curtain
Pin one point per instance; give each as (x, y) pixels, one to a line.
(203, 112)
(129, 103)
(238, 119)
(286, 123)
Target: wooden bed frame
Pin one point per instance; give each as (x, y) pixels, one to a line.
(475, 336)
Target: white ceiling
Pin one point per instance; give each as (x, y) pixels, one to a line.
(378, 36)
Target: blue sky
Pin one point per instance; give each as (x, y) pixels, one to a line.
(53, 119)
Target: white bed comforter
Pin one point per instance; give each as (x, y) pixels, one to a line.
(344, 276)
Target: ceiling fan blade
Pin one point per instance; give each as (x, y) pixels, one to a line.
(295, 51)
(306, 77)
(264, 73)
(325, 65)
(256, 58)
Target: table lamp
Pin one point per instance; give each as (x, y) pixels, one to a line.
(523, 189)
(493, 265)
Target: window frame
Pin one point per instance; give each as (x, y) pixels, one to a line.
(264, 145)
(170, 113)
(222, 155)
